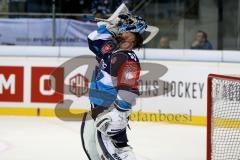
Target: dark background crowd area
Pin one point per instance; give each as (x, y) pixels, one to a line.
(179, 21)
(68, 6)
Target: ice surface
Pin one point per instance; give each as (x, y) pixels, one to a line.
(38, 138)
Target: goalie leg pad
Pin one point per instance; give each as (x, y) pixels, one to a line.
(112, 121)
(108, 151)
(88, 132)
(120, 140)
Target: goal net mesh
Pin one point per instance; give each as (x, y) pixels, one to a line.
(225, 119)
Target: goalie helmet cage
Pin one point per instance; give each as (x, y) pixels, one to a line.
(223, 117)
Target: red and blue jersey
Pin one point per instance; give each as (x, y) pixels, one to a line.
(115, 79)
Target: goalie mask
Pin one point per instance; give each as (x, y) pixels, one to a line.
(130, 23)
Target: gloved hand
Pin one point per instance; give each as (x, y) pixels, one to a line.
(113, 29)
(112, 121)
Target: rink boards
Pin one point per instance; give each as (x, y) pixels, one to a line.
(25, 90)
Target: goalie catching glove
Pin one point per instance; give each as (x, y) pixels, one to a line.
(127, 23)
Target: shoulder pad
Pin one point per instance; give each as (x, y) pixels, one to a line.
(128, 55)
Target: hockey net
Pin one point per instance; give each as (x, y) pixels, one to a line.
(223, 122)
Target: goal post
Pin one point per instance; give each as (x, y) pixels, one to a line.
(223, 117)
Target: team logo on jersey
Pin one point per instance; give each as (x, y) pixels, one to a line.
(129, 75)
(108, 47)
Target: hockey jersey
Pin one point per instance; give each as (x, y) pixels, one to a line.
(115, 79)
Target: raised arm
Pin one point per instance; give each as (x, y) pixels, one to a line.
(101, 41)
